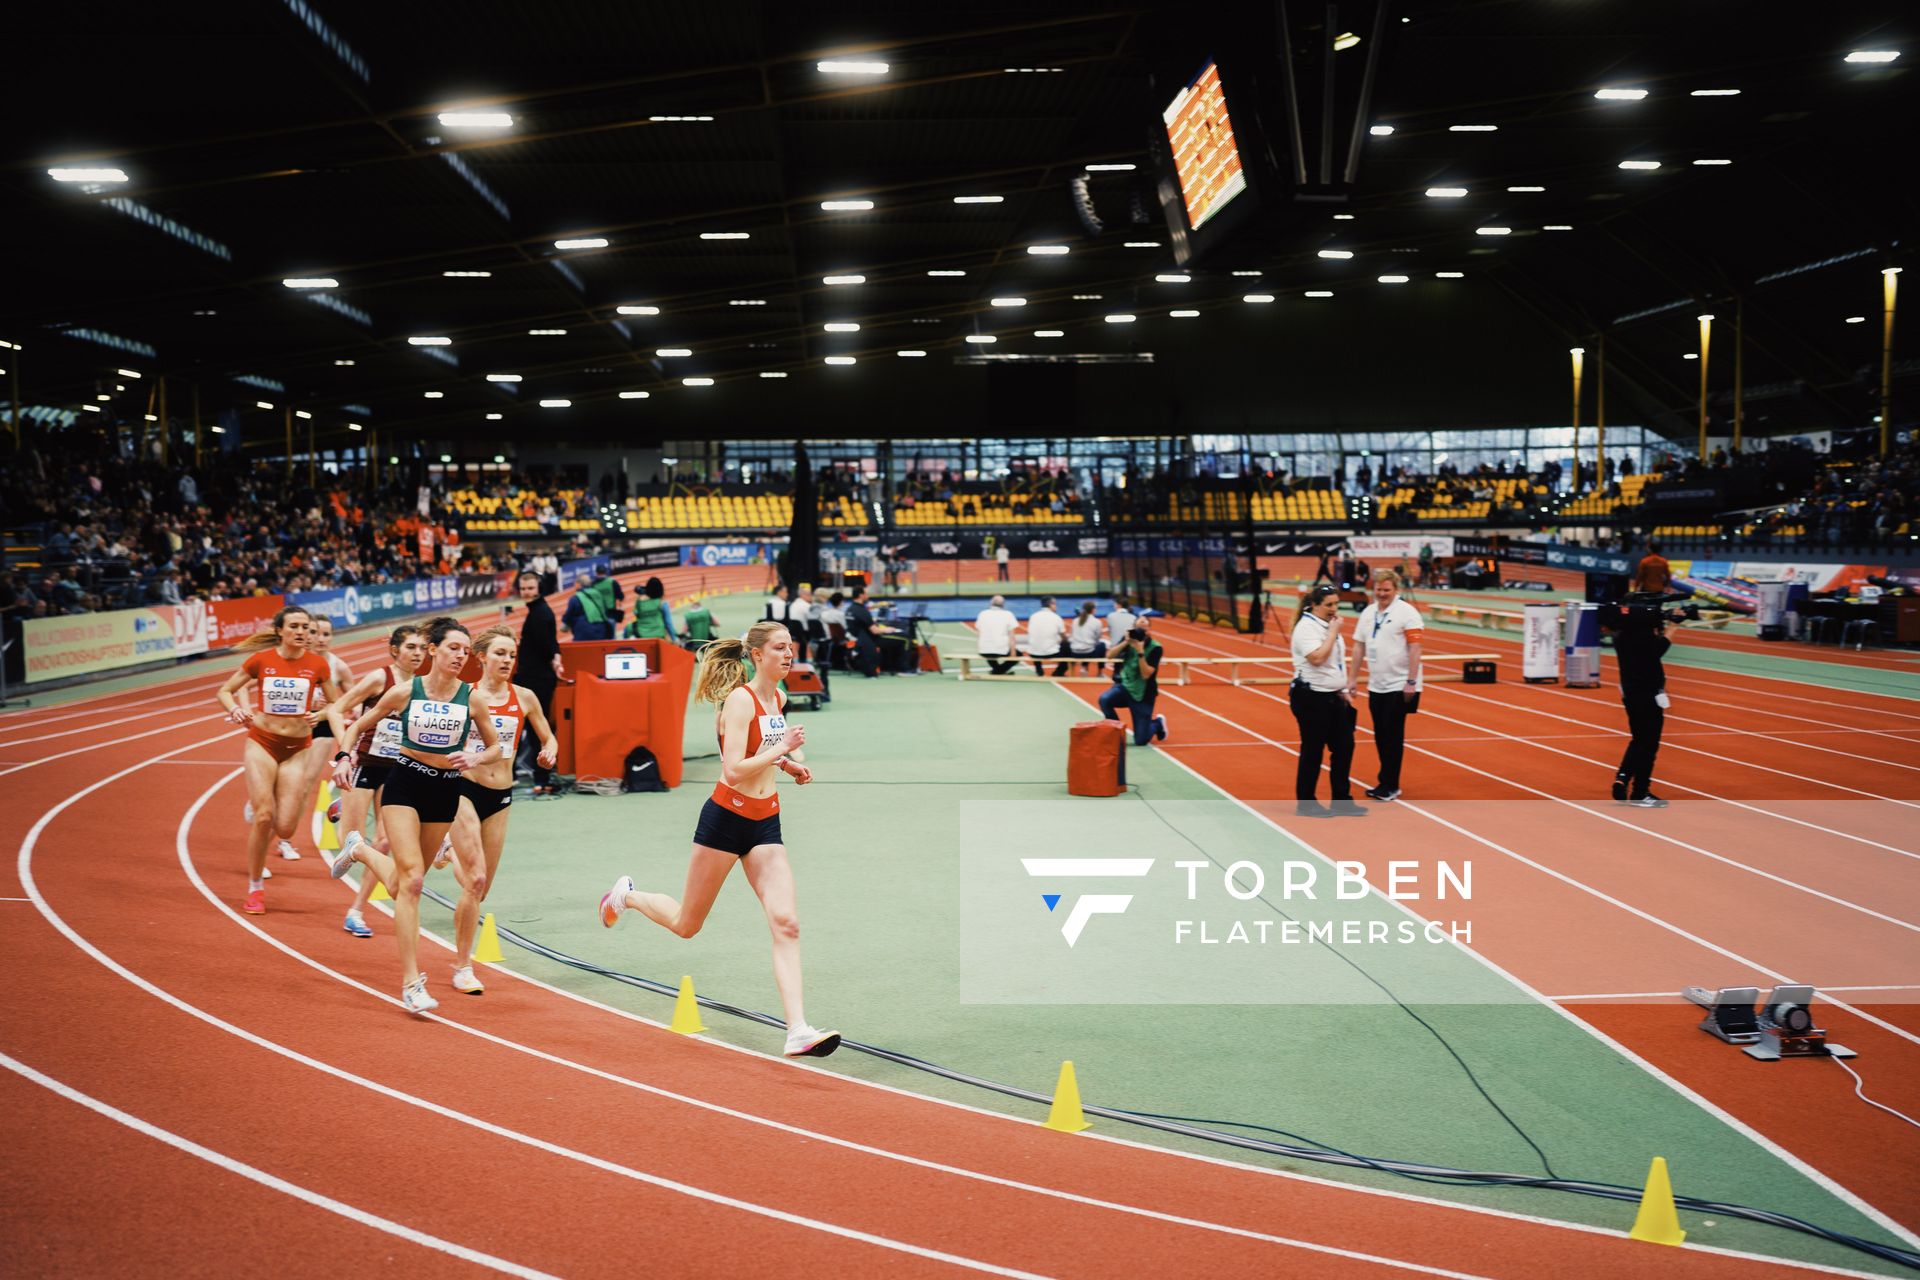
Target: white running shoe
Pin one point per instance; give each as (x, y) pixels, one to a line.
(444, 854)
(807, 1042)
(338, 864)
(288, 852)
(613, 902)
(465, 983)
(414, 996)
(246, 811)
(266, 873)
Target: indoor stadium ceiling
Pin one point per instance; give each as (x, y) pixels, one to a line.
(283, 139)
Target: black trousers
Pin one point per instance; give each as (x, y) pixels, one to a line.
(1040, 661)
(541, 685)
(1326, 730)
(999, 665)
(1646, 721)
(1389, 714)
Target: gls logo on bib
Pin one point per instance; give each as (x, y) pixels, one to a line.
(773, 730)
(284, 695)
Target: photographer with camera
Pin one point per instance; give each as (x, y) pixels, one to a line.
(1639, 641)
(1135, 683)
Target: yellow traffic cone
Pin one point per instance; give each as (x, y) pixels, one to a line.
(1657, 1222)
(1065, 1114)
(488, 947)
(379, 893)
(686, 1011)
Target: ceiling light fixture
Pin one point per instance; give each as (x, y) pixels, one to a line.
(910, 355)
(556, 404)
(1445, 193)
(638, 311)
(1450, 275)
(1712, 162)
(1089, 297)
(1393, 279)
(125, 373)
(1141, 244)
(680, 119)
(772, 373)
(258, 404)
(1526, 190)
(1620, 95)
(1049, 333)
(1183, 315)
(1473, 128)
(1873, 55)
(1120, 318)
(1111, 168)
(1172, 278)
(980, 339)
(1380, 130)
(1557, 226)
(746, 302)
(1249, 273)
(978, 199)
(584, 242)
(1344, 41)
(87, 175)
(834, 67)
(1639, 164)
(1009, 302)
(1343, 217)
(302, 414)
(840, 360)
(311, 282)
(1047, 250)
(1856, 319)
(846, 327)
(946, 273)
(1336, 254)
(636, 395)
(1257, 297)
(546, 333)
(354, 426)
(843, 280)
(1493, 231)
(673, 353)
(841, 206)
(467, 275)
(1714, 93)
(503, 377)
(696, 382)
(726, 235)
(433, 395)
(429, 342)
(343, 364)
(477, 119)
(492, 417)
(1032, 71)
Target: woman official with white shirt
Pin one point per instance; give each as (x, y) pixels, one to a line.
(1322, 705)
(1389, 633)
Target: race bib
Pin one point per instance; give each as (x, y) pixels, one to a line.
(503, 726)
(285, 695)
(386, 739)
(773, 730)
(435, 726)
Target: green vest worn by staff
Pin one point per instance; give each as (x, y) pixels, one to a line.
(699, 623)
(649, 620)
(597, 601)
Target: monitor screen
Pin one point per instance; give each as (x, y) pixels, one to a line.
(1204, 154)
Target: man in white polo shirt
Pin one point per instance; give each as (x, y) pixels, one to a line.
(995, 627)
(1045, 630)
(1389, 634)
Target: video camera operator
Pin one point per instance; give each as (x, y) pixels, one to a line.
(1639, 627)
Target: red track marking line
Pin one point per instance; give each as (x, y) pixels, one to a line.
(460, 1117)
(1720, 1113)
(183, 852)
(1616, 733)
(268, 1180)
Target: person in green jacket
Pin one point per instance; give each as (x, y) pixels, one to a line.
(652, 619)
(696, 625)
(594, 610)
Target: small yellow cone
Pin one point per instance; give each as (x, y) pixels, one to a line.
(379, 893)
(488, 947)
(1657, 1222)
(686, 1011)
(1065, 1114)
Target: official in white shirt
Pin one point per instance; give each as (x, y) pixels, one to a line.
(1119, 621)
(1045, 630)
(1388, 635)
(1322, 706)
(776, 606)
(995, 627)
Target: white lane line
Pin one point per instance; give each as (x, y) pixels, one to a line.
(104, 724)
(184, 854)
(265, 1179)
(114, 742)
(1712, 1108)
(459, 1117)
(1674, 995)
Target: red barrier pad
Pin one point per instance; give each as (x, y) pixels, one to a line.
(1097, 758)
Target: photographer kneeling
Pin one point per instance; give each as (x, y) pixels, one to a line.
(1136, 685)
(1639, 641)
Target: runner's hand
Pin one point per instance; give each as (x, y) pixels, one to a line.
(796, 737)
(800, 774)
(343, 772)
(241, 714)
(550, 754)
(465, 760)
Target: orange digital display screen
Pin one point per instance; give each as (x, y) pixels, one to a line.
(1204, 154)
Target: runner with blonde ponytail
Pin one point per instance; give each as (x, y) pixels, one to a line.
(741, 822)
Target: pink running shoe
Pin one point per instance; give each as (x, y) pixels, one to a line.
(614, 902)
(256, 903)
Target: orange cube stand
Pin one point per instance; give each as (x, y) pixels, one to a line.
(1097, 758)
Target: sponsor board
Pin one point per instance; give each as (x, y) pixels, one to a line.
(724, 553)
(1402, 546)
(1526, 584)
(82, 643)
(486, 586)
(435, 595)
(231, 621)
(1588, 561)
(192, 627)
(650, 558)
(575, 572)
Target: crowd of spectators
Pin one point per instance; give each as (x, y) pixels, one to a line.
(1023, 491)
(114, 531)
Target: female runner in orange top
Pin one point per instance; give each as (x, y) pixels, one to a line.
(741, 823)
(296, 692)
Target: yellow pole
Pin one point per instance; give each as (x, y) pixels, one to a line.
(1889, 286)
(1706, 336)
(1579, 355)
(1739, 377)
(1600, 411)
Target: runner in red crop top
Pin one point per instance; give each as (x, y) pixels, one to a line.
(740, 824)
(292, 682)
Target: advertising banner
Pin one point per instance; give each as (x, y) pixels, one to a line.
(231, 621)
(1587, 561)
(88, 642)
(650, 558)
(435, 595)
(723, 553)
(1401, 546)
(575, 572)
(1540, 642)
(478, 588)
(1580, 634)
(192, 627)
